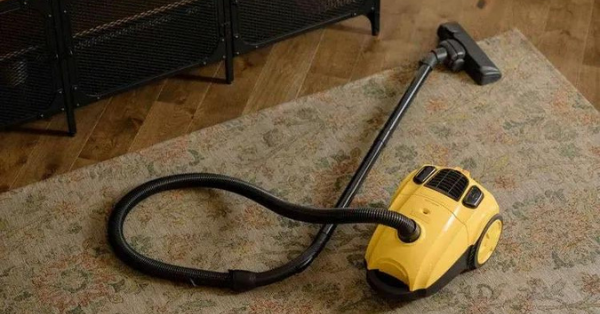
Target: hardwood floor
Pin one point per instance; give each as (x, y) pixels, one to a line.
(566, 31)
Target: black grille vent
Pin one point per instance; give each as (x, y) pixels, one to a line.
(122, 43)
(263, 21)
(27, 83)
(449, 182)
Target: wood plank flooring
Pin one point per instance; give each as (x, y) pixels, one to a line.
(566, 31)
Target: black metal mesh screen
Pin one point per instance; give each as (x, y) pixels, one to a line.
(27, 87)
(262, 21)
(119, 43)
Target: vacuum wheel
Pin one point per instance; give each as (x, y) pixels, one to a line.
(485, 246)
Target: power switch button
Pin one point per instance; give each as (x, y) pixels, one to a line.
(473, 198)
(424, 174)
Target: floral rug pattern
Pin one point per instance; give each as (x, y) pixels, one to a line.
(531, 139)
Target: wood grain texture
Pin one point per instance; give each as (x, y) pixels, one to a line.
(336, 56)
(393, 46)
(529, 17)
(120, 123)
(589, 77)
(592, 50)
(339, 48)
(175, 107)
(431, 15)
(484, 18)
(566, 31)
(15, 149)
(284, 72)
(55, 154)
(224, 102)
(316, 82)
(563, 41)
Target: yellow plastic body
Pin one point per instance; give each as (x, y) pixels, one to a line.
(448, 229)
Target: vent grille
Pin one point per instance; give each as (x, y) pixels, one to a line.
(27, 85)
(449, 182)
(263, 21)
(122, 43)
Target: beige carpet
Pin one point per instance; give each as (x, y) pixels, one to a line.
(531, 139)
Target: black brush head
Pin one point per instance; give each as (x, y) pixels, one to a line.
(476, 63)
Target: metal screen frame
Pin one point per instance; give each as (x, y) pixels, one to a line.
(65, 72)
(370, 9)
(81, 98)
(56, 104)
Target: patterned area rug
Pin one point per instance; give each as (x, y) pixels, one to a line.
(531, 139)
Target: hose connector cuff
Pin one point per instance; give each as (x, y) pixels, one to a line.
(412, 236)
(242, 280)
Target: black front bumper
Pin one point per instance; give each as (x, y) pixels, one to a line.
(395, 289)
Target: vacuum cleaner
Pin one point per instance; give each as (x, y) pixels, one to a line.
(440, 223)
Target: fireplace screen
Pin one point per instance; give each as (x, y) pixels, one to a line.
(265, 21)
(121, 43)
(28, 70)
(61, 54)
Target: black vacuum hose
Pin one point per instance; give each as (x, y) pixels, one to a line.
(235, 279)
(241, 280)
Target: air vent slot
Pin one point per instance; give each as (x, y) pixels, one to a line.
(449, 182)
